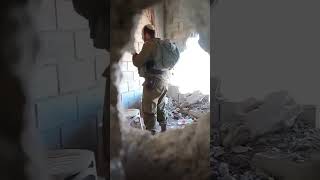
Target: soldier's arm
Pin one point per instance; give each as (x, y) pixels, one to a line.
(146, 52)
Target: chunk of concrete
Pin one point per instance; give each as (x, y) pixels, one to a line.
(252, 118)
(196, 114)
(278, 111)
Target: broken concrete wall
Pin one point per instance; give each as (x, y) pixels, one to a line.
(119, 37)
(66, 88)
(183, 17)
(178, 26)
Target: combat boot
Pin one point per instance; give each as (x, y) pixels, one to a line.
(163, 127)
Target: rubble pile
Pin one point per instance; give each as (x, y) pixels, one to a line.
(282, 132)
(187, 111)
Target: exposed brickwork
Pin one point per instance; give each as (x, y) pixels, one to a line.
(178, 26)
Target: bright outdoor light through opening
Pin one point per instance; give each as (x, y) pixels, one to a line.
(192, 72)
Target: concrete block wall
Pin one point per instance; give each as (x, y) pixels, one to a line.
(177, 26)
(131, 84)
(130, 87)
(67, 87)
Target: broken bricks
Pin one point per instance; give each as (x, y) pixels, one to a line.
(193, 98)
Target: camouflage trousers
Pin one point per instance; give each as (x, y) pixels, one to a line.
(153, 104)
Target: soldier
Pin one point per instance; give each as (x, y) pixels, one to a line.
(155, 86)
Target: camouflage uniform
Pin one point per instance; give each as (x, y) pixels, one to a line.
(155, 87)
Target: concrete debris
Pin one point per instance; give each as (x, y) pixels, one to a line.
(192, 98)
(253, 118)
(184, 121)
(269, 140)
(196, 114)
(179, 116)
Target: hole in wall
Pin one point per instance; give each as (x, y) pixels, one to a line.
(192, 72)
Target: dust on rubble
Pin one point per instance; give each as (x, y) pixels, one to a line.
(298, 142)
(180, 114)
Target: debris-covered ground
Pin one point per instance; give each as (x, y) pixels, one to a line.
(179, 114)
(297, 142)
(186, 112)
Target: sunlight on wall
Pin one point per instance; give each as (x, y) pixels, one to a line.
(192, 72)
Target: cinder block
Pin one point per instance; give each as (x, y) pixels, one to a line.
(125, 98)
(46, 20)
(131, 67)
(131, 99)
(44, 82)
(55, 47)
(102, 63)
(84, 45)
(90, 102)
(80, 134)
(134, 85)
(56, 111)
(76, 76)
(68, 19)
(138, 93)
(136, 76)
(123, 66)
(123, 87)
(127, 76)
(180, 26)
(51, 139)
(127, 57)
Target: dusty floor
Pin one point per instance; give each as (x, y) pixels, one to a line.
(181, 114)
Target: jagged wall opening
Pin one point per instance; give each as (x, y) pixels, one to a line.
(122, 24)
